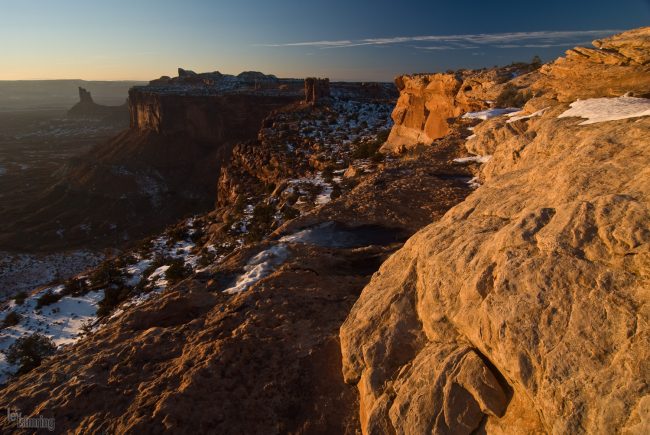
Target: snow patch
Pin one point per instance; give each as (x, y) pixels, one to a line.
(477, 159)
(474, 183)
(61, 321)
(516, 116)
(608, 109)
(260, 266)
(490, 113)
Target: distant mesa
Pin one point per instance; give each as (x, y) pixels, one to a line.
(310, 90)
(86, 108)
(189, 82)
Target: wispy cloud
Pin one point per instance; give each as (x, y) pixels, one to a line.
(539, 39)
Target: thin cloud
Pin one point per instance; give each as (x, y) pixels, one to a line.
(539, 39)
(547, 45)
(310, 44)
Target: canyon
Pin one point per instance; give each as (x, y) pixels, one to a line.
(425, 258)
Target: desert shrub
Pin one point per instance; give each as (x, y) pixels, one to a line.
(512, 97)
(349, 183)
(145, 246)
(206, 258)
(261, 222)
(536, 62)
(87, 327)
(177, 234)
(312, 190)
(289, 213)
(365, 150)
(113, 296)
(177, 271)
(378, 157)
(19, 299)
(48, 298)
(240, 205)
(11, 319)
(336, 191)
(106, 274)
(29, 351)
(328, 173)
(369, 150)
(75, 287)
(128, 259)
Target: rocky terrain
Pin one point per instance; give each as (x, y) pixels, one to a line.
(486, 272)
(524, 310)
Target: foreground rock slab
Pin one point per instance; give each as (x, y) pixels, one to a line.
(525, 308)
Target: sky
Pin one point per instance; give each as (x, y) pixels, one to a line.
(343, 40)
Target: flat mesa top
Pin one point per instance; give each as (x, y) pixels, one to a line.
(214, 83)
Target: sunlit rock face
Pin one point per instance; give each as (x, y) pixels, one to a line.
(524, 309)
(428, 103)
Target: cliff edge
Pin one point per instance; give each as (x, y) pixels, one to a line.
(525, 308)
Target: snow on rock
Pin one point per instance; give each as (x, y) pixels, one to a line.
(490, 113)
(326, 188)
(516, 116)
(260, 266)
(477, 159)
(135, 272)
(474, 183)
(61, 321)
(158, 277)
(608, 109)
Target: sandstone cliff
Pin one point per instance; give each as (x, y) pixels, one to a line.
(525, 308)
(428, 102)
(215, 118)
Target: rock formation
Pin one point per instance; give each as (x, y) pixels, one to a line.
(428, 102)
(316, 89)
(84, 96)
(86, 108)
(523, 310)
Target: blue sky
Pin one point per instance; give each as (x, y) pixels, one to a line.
(344, 40)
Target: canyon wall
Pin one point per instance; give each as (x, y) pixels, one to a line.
(164, 166)
(204, 118)
(525, 308)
